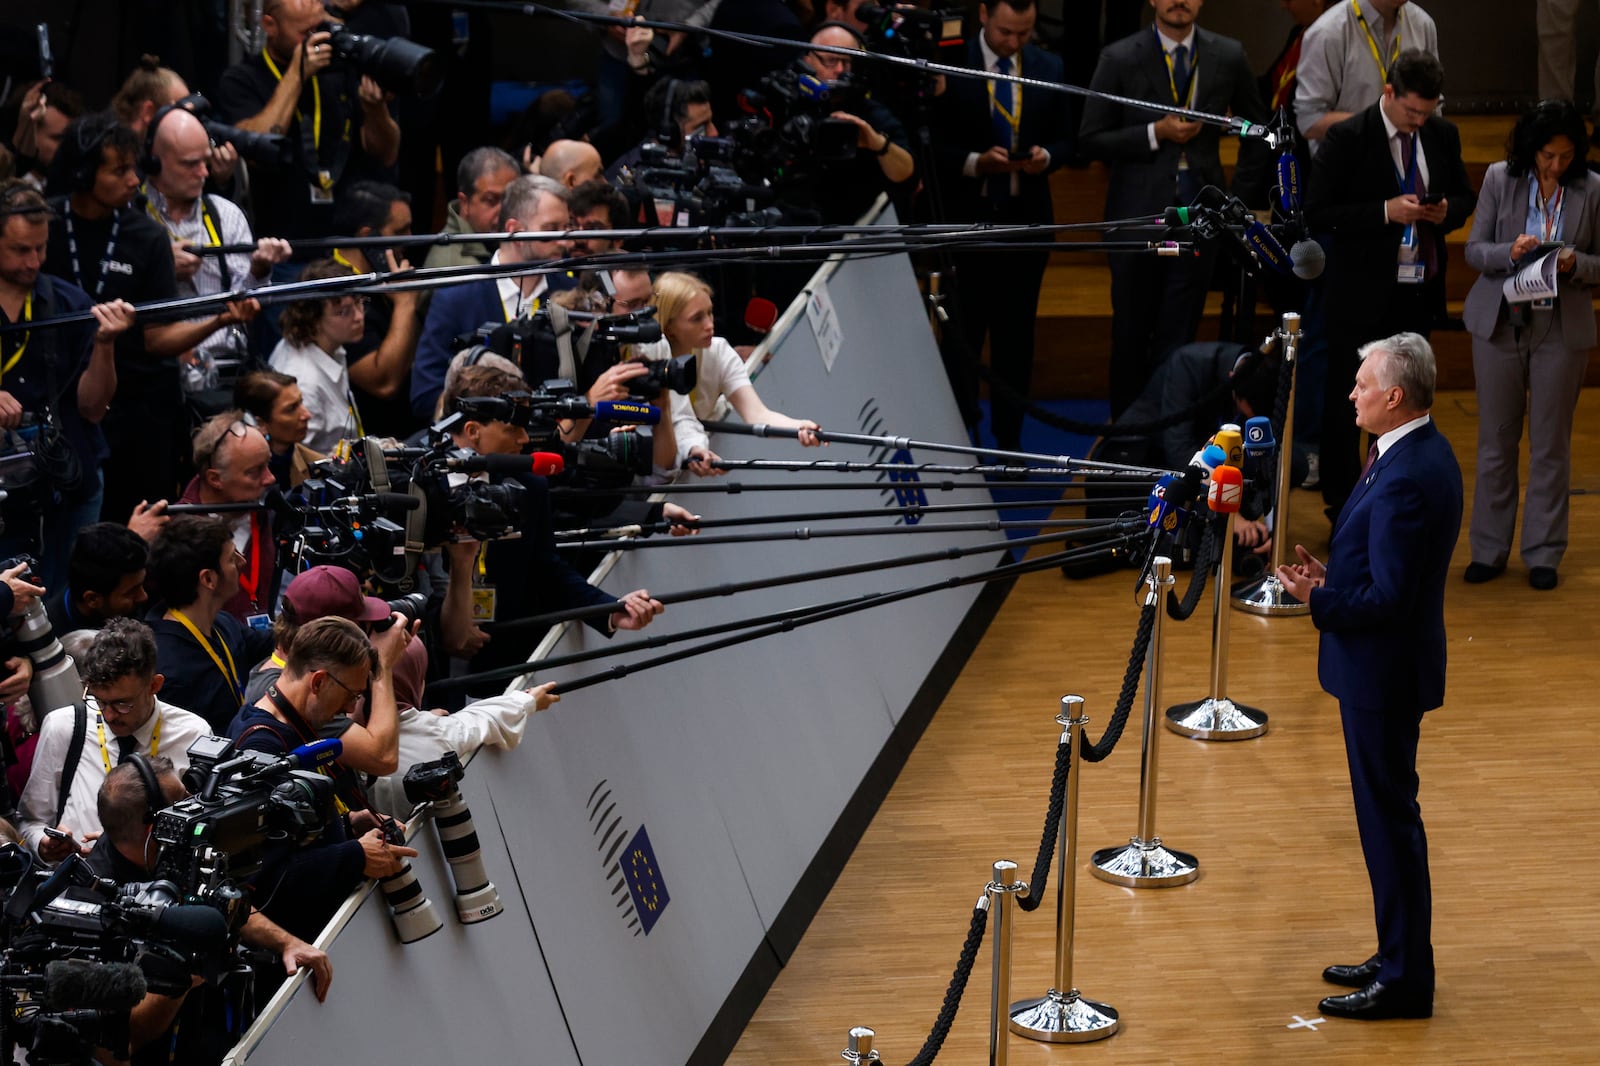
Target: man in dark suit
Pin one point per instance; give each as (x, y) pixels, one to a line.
(1379, 603)
(1389, 183)
(1158, 161)
(997, 143)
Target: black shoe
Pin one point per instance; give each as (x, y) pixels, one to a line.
(1376, 1003)
(1354, 976)
(1543, 578)
(1478, 573)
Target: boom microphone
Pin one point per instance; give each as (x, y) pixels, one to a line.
(1227, 489)
(1289, 185)
(1267, 248)
(543, 464)
(1167, 514)
(201, 930)
(77, 984)
(760, 314)
(1308, 259)
(315, 755)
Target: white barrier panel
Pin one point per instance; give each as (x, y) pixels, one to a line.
(649, 831)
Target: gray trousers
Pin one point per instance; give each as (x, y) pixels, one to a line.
(1545, 382)
(1557, 21)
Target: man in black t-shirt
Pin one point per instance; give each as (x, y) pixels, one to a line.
(335, 118)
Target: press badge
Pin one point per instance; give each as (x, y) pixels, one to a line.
(263, 622)
(1410, 273)
(322, 188)
(483, 603)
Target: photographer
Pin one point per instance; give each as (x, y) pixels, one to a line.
(204, 652)
(335, 118)
(58, 382)
(120, 716)
(330, 662)
(530, 204)
(234, 464)
(193, 1023)
(105, 579)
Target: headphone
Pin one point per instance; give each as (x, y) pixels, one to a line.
(149, 162)
(89, 153)
(154, 801)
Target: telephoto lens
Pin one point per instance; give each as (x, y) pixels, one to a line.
(412, 911)
(476, 898)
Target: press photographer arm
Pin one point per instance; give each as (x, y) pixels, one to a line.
(98, 382)
(895, 162)
(459, 633)
(313, 56)
(259, 931)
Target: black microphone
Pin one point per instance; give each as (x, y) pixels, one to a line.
(202, 930)
(77, 984)
(388, 500)
(544, 464)
(215, 508)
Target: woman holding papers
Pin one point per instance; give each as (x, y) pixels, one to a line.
(1531, 338)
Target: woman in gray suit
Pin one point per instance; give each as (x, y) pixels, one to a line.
(1531, 356)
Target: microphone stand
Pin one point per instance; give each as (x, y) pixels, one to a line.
(1266, 595)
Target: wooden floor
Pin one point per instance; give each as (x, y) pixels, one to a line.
(1217, 971)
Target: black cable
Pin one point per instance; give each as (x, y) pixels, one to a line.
(1099, 750)
(1030, 900)
(957, 988)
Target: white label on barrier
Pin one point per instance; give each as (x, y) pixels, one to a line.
(825, 324)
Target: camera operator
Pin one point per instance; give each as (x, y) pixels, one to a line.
(204, 652)
(120, 716)
(882, 162)
(275, 403)
(105, 579)
(234, 464)
(59, 381)
(192, 1023)
(481, 180)
(336, 119)
(177, 162)
(380, 359)
(677, 109)
(330, 662)
(530, 204)
(524, 576)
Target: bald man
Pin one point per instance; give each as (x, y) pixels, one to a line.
(571, 162)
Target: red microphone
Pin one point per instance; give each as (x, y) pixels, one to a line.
(544, 464)
(548, 464)
(760, 314)
(1227, 490)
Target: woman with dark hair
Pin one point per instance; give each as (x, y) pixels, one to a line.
(274, 401)
(1531, 356)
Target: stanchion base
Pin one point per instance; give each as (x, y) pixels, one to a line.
(1210, 719)
(1267, 596)
(1144, 865)
(1063, 1019)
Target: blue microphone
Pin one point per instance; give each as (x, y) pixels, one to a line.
(1167, 515)
(1289, 184)
(315, 755)
(1258, 437)
(1268, 249)
(632, 411)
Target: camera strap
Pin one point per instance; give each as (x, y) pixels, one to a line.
(324, 177)
(345, 779)
(69, 769)
(561, 325)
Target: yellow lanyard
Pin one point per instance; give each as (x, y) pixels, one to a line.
(316, 107)
(339, 257)
(105, 754)
(279, 661)
(1172, 80)
(1372, 42)
(230, 673)
(1014, 120)
(205, 219)
(16, 356)
(534, 306)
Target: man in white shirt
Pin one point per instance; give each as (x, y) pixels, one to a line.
(1345, 57)
(57, 814)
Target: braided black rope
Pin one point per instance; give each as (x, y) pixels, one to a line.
(1280, 415)
(1030, 900)
(1097, 751)
(958, 985)
(1204, 559)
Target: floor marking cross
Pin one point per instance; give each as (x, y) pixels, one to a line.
(1301, 1023)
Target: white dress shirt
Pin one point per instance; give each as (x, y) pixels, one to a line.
(1387, 441)
(991, 63)
(1169, 46)
(324, 381)
(512, 300)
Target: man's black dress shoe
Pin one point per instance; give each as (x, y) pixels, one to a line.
(1376, 1003)
(1542, 578)
(1478, 573)
(1354, 976)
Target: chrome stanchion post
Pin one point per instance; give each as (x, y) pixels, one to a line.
(1002, 893)
(1266, 595)
(1217, 717)
(860, 1048)
(1143, 862)
(1062, 1015)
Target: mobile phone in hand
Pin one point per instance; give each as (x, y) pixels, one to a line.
(1429, 199)
(1020, 156)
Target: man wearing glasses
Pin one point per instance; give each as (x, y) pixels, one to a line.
(120, 716)
(234, 462)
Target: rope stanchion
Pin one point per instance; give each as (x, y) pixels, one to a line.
(1266, 595)
(1047, 842)
(1181, 610)
(958, 984)
(1144, 862)
(1003, 891)
(859, 1049)
(1063, 1015)
(1097, 751)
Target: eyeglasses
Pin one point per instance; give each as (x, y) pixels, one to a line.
(99, 706)
(590, 226)
(331, 676)
(345, 307)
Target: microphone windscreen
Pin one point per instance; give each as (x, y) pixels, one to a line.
(1258, 436)
(202, 930)
(317, 754)
(1231, 441)
(404, 501)
(1227, 489)
(640, 414)
(548, 464)
(1309, 260)
(1288, 183)
(760, 314)
(77, 984)
(1268, 248)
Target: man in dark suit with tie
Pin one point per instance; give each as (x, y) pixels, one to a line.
(1158, 161)
(996, 145)
(1379, 604)
(1389, 183)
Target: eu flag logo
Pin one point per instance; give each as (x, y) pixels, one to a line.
(645, 883)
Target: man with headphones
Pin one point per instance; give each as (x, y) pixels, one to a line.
(119, 717)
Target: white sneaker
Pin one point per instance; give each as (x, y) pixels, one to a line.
(1313, 471)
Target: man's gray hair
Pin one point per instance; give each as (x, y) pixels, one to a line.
(479, 164)
(521, 200)
(1408, 363)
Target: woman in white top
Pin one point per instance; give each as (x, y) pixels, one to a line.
(312, 352)
(683, 307)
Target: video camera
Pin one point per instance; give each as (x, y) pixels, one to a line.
(535, 344)
(397, 64)
(908, 32)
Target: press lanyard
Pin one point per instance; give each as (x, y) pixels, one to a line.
(316, 101)
(1549, 212)
(105, 753)
(205, 220)
(72, 250)
(339, 257)
(230, 673)
(1408, 184)
(1013, 119)
(534, 305)
(16, 356)
(1186, 101)
(1372, 42)
(325, 176)
(250, 585)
